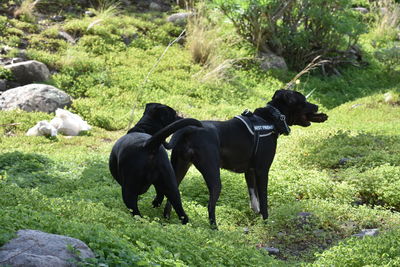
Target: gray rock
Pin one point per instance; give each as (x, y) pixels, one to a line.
(57, 18)
(272, 250)
(89, 14)
(343, 161)
(34, 97)
(180, 18)
(362, 10)
(3, 85)
(367, 232)
(272, 61)
(33, 248)
(29, 71)
(155, 7)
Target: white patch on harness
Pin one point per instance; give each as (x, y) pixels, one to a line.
(263, 127)
(266, 127)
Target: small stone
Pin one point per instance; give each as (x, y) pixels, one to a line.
(343, 161)
(362, 10)
(272, 250)
(89, 13)
(155, 7)
(388, 97)
(3, 85)
(57, 18)
(367, 232)
(180, 18)
(246, 230)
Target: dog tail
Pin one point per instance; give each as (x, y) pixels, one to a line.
(159, 137)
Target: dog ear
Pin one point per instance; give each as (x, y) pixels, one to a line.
(285, 96)
(150, 106)
(166, 114)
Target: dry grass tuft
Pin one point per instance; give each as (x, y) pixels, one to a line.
(25, 10)
(387, 18)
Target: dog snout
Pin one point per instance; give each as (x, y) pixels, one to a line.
(311, 108)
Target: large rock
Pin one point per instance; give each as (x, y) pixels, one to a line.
(33, 248)
(180, 18)
(3, 85)
(29, 71)
(34, 97)
(271, 61)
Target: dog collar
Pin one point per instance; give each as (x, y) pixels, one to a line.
(279, 120)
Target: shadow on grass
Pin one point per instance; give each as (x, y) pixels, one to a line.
(345, 149)
(27, 170)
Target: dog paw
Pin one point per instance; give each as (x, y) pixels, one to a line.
(184, 219)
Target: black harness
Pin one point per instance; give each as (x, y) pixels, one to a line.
(259, 128)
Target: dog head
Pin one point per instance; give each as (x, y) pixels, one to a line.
(160, 114)
(296, 108)
(155, 117)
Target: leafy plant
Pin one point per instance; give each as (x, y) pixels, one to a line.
(297, 30)
(5, 73)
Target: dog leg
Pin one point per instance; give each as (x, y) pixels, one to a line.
(181, 166)
(158, 199)
(175, 200)
(253, 192)
(209, 168)
(167, 184)
(262, 188)
(130, 201)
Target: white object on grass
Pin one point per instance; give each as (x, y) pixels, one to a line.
(69, 123)
(64, 122)
(42, 128)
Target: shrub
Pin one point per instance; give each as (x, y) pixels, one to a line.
(297, 30)
(389, 57)
(386, 22)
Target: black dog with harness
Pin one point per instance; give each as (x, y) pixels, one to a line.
(244, 144)
(259, 128)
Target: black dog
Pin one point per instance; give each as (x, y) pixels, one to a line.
(138, 160)
(245, 144)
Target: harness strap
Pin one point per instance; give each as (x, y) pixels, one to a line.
(255, 125)
(256, 129)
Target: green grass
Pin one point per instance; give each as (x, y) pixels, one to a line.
(345, 172)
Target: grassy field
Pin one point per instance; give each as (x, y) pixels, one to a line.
(344, 172)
